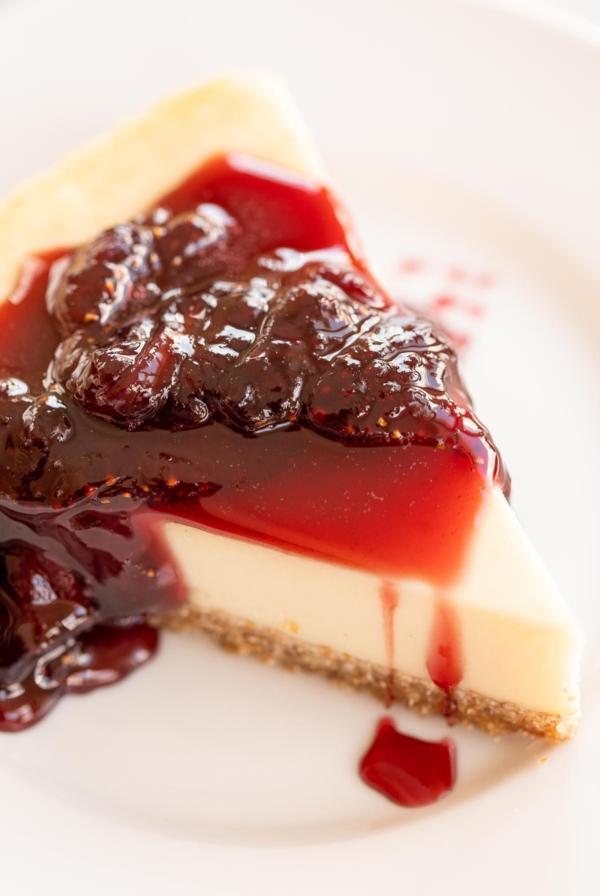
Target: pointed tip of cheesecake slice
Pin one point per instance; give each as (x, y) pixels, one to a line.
(521, 641)
(70, 203)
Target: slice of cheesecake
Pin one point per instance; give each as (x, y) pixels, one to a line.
(230, 427)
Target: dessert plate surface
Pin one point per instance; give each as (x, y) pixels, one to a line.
(465, 140)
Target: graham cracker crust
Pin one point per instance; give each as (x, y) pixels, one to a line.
(469, 708)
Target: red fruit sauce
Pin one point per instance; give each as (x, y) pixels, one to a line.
(407, 770)
(227, 359)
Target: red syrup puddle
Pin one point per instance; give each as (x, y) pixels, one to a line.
(407, 770)
(388, 594)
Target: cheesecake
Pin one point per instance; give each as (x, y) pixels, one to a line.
(215, 418)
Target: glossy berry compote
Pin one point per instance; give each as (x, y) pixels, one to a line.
(225, 358)
(407, 770)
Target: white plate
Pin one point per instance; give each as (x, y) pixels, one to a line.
(460, 135)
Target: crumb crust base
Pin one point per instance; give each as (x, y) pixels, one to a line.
(273, 646)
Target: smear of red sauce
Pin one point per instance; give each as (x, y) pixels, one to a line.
(449, 295)
(452, 303)
(410, 265)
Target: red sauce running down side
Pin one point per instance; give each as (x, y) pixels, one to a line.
(388, 596)
(408, 771)
(445, 660)
(224, 358)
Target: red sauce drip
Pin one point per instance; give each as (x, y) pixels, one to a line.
(445, 662)
(196, 363)
(408, 771)
(388, 594)
(450, 296)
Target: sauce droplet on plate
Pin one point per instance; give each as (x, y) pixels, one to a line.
(407, 770)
